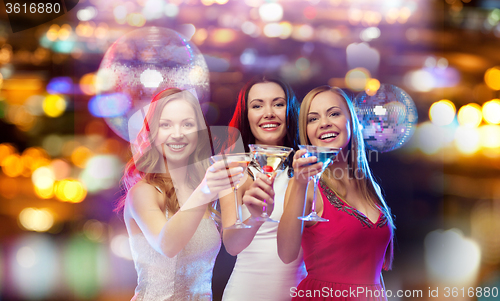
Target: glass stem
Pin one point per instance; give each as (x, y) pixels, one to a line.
(316, 180)
(238, 207)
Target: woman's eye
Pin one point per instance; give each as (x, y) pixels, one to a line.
(164, 125)
(256, 106)
(189, 124)
(312, 119)
(335, 114)
(280, 104)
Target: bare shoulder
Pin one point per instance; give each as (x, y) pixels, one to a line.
(143, 195)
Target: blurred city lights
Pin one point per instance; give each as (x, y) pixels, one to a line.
(491, 111)
(43, 178)
(12, 165)
(369, 34)
(54, 105)
(420, 80)
(60, 168)
(88, 83)
(35, 268)
(467, 140)
(102, 172)
(94, 230)
(490, 136)
(272, 30)
(86, 14)
(39, 220)
(451, 258)
(62, 85)
(470, 115)
(223, 35)
(492, 78)
(120, 246)
(372, 86)
(6, 150)
(69, 190)
(120, 12)
(356, 79)
(53, 144)
(271, 12)
(110, 105)
(171, 10)
(85, 267)
(442, 112)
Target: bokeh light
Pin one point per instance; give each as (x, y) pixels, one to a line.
(34, 219)
(490, 136)
(491, 111)
(467, 140)
(372, 86)
(120, 246)
(70, 190)
(271, 12)
(356, 79)
(85, 267)
(492, 78)
(80, 155)
(470, 115)
(12, 165)
(35, 267)
(442, 112)
(451, 258)
(54, 105)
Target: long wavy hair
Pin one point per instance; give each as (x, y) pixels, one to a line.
(150, 166)
(356, 160)
(240, 117)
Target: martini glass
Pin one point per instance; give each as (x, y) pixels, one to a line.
(270, 159)
(326, 155)
(230, 161)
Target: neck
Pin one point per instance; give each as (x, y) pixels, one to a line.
(178, 174)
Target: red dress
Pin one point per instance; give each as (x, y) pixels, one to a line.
(343, 257)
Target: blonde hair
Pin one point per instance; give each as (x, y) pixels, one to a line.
(356, 160)
(149, 165)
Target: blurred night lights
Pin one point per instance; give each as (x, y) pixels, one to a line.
(442, 112)
(271, 12)
(467, 140)
(491, 111)
(151, 78)
(451, 258)
(470, 115)
(120, 246)
(492, 78)
(109, 105)
(35, 268)
(39, 220)
(60, 85)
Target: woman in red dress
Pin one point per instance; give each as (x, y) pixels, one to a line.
(344, 257)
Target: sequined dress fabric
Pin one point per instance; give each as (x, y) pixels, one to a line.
(344, 257)
(186, 276)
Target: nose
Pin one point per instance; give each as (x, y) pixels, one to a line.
(325, 123)
(178, 133)
(269, 113)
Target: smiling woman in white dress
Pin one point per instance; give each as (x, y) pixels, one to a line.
(173, 248)
(266, 113)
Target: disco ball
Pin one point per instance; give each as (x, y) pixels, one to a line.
(138, 66)
(388, 118)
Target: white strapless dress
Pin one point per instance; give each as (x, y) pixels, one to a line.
(186, 276)
(259, 274)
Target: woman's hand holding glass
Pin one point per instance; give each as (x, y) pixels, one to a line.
(305, 168)
(219, 178)
(260, 195)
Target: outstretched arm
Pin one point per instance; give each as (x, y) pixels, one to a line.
(290, 227)
(169, 236)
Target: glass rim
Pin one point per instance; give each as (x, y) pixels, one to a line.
(319, 148)
(271, 147)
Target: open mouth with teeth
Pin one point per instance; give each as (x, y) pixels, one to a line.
(269, 126)
(327, 136)
(177, 146)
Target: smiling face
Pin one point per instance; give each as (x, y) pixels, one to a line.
(267, 113)
(329, 121)
(177, 132)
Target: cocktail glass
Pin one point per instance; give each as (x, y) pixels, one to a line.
(269, 159)
(235, 160)
(326, 155)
